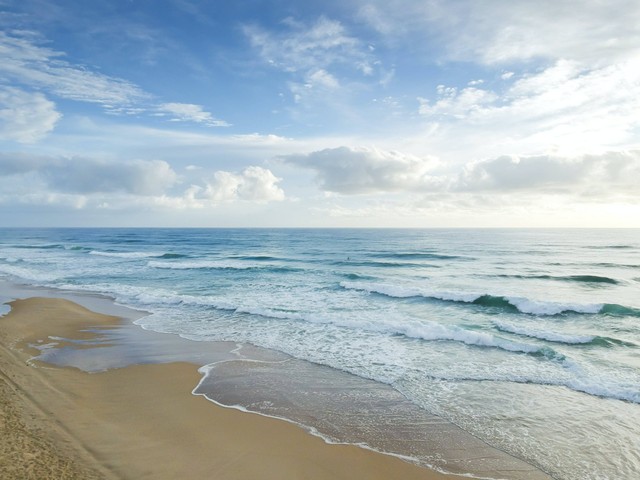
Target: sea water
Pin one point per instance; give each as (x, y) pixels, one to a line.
(527, 339)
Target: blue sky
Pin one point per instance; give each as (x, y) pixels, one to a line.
(432, 113)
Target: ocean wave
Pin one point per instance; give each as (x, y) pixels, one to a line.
(419, 256)
(14, 270)
(578, 381)
(552, 336)
(170, 256)
(566, 278)
(125, 254)
(428, 331)
(356, 276)
(220, 265)
(200, 265)
(378, 264)
(615, 265)
(166, 256)
(410, 328)
(78, 248)
(543, 334)
(610, 247)
(620, 310)
(435, 331)
(48, 246)
(506, 303)
(258, 258)
(619, 387)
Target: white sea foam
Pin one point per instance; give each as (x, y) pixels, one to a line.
(203, 264)
(551, 336)
(33, 275)
(618, 384)
(436, 331)
(201, 295)
(131, 255)
(403, 291)
(534, 307)
(524, 305)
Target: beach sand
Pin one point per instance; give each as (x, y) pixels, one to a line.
(142, 422)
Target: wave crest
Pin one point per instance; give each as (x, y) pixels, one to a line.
(504, 303)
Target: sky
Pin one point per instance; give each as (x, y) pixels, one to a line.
(286, 113)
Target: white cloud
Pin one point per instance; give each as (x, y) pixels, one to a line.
(254, 184)
(25, 117)
(319, 56)
(188, 112)
(590, 31)
(458, 104)
(322, 78)
(76, 175)
(564, 107)
(26, 62)
(308, 47)
(117, 185)
(349, 170)
(495, 31)
(609, 175)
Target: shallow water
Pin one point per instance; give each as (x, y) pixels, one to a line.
(529, 339)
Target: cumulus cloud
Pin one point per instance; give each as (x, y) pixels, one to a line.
(25, 117)
(117, 184)
(188, 112)
(350, 170)
(255, 184)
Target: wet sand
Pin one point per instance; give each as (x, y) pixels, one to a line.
(142, 421)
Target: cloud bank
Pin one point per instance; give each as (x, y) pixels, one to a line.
(118, 184)
(350, 171)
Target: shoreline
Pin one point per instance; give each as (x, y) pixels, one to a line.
(132, 423)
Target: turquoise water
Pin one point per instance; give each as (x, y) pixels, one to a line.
(528, 339)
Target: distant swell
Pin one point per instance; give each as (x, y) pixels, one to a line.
(418, 256)
(219, 265)
(130, 255)
(40, 247)
(509, 304)
(568, 278)
(173, 255)
(612, 247)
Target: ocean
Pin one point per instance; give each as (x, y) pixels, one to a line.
(523, 340)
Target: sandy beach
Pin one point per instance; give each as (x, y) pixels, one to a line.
(142, 421)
